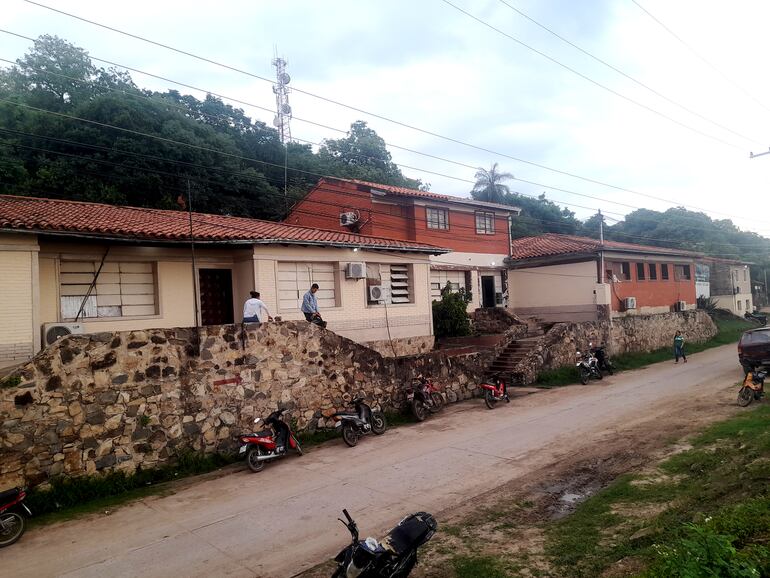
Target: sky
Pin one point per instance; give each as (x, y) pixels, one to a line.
(428, 65)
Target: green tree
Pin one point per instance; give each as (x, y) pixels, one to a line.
(489, 185)
(450, 316)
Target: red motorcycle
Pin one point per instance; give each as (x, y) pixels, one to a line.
(12, 512)
(423, 397)
(270, 444)
(495, 390)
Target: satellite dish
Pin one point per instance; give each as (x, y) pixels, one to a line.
(284, 78)
(276, 121)
(285, 109)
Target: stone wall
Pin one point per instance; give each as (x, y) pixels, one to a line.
(488, 320)
(121, 400)
(403, 346)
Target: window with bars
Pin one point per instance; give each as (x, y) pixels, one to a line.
(295, 279)
(485, 223)
(439, 280)
(653, 271)
(640, 272)
(437, 218)
(122, 289)
(396, 279)
(664, 271)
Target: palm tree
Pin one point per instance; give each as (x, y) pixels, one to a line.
(489, 185)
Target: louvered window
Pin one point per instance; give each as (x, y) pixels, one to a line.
(295, 279)
(439, 280)
(396, 280)
(399, 284)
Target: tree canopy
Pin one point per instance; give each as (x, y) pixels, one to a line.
(54, 142)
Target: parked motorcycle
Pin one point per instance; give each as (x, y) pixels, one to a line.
(269, 444)
(756, 317)
(12, 513)
(361, 422)
(392, 557)
(588, 367)
(753, 387)
(600, 353)
(495, 390)
(423, 397)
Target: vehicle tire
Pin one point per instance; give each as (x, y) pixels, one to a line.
(585, 375)
(379, 425)
(251, 459)
(438, 401)
(599, 374)
(745, 396)
(14, 524)
(418, 409)
(349, 434)
(489, 399)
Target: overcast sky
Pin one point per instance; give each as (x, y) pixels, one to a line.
(426, 64)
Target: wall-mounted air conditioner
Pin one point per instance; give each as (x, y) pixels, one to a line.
(629, 303)
(378, 293)
(349, 218)
(54, 331)
(355, 271)
(680, 306)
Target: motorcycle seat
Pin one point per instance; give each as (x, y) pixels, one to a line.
(9, 495)
(411, 532)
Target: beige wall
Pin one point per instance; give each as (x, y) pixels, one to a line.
(730, 302)
(19, 298)
(555, 292)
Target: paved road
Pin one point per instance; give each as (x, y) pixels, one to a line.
(283, 520)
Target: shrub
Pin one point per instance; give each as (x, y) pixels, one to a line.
(708, 304)
(450, 315)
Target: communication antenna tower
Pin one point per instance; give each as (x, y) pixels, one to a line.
(282, 120)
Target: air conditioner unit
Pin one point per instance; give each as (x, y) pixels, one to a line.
(348, 218)
(680, 306)
(629, 303)
(355, 271)
(378, 293)
(55, 331)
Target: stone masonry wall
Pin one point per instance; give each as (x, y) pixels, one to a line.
(121, 400)
(403, 345)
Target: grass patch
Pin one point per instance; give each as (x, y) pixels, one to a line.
(478, 567)
(10, 381)
(711, 512)
(556, 377)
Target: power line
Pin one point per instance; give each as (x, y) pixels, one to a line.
(375, 115)
(628, 76)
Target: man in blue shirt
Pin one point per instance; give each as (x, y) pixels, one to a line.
(310, 306)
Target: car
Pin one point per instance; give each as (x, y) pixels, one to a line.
(754, 349)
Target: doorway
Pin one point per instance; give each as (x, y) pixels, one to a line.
(487, 291)
(216, 294)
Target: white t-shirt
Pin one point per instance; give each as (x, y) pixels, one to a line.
(254, 307)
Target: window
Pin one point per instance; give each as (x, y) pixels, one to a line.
(437, 218)
(396, 278)
(745, 275)
(295, 279)
(122, 289)
(748, 305)
(439, 280)
(664, 271)
(640, 271)
(739, 305)
(485, 223)
(682, 272)
(653, 272)
(625, 271)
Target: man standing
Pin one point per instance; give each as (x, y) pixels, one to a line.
(255, 310)
(310, 306)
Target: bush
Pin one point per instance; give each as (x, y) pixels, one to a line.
(708, 304)
(450, 315)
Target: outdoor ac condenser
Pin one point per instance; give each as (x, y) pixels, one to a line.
(378, 293)
(681, 306)
(355, 271)
(629, 303)
(54, 331)
(348, 218)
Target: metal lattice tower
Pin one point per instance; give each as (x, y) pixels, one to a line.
(282, 120)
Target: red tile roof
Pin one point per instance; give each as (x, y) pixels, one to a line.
(552, 244)
(98, 220)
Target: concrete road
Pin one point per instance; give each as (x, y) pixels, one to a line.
(283, 520)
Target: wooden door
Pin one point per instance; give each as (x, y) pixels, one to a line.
(216, 294)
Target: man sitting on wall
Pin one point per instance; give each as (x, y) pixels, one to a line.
(255, 310)
(310, 306)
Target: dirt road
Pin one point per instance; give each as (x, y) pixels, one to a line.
(283, 520)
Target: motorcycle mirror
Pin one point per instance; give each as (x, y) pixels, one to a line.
(578, 354)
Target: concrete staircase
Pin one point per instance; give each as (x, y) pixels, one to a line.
(508, 359)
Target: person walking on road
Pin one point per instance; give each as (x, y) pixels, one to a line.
(255, 310)
(679, 347)
(310, 306)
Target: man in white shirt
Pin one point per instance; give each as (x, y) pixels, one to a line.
(253, 309)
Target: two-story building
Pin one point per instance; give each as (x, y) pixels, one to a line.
(730, 284)
(478, 233)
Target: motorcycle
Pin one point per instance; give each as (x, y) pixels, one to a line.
(423, 397)
(756, 317)
(392, 557)
(359, 423)
(495, 391)
(270, 444)
(753, 387)
(588, 367)
(12, 513)
(600, 353)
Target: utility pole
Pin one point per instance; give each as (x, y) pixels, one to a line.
(767, 293)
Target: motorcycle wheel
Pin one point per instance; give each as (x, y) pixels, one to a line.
(438, 401)
(378, 423)
(251, 459)
(11, 529)
(610, 369)
(489, 399)
(349, 434)
(418, 409)
(298, 447)
(599, 374)
(745, 396)
(585, 375)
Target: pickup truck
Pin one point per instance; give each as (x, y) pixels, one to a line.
(754, 349)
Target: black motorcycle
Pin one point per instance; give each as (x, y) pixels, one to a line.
(423, 397)
(392, 557)
(360, 422)
(603, 360)
(756, 317)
